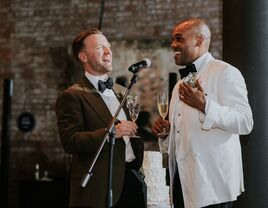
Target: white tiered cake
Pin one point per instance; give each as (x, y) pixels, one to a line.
(155, 178)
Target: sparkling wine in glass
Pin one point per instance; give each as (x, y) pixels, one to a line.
(162, 105)
(133, 105)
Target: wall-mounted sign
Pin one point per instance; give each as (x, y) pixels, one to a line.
(26, 121)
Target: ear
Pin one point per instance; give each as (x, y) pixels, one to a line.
(199, 40)
(82, 56)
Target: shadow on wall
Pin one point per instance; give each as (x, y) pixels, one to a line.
(70, 70)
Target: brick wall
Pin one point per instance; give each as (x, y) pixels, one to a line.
(35, 39)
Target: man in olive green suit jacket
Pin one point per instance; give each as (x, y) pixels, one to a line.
(83, 114)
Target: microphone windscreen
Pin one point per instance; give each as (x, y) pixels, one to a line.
(148, 61)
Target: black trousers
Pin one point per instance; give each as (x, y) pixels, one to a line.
(222, 205)
(133, 194)
(177, 192)
(178, 196)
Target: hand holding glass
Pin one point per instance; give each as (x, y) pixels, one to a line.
(162, 104)
(133, 105)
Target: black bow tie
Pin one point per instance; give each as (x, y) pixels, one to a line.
(185, 71)
(102, 85)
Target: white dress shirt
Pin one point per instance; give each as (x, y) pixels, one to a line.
(112, 103)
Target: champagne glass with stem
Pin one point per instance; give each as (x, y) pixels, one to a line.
(133, 104)
(162, 105)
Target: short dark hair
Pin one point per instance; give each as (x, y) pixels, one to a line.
(78, 42)
(122, 80)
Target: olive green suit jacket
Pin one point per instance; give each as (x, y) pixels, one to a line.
(82, 117)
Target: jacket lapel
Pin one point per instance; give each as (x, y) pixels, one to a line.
(96, 102)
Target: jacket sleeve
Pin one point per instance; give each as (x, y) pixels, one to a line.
(231, 110)
(72, 128)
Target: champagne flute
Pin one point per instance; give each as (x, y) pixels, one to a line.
(162, 105)
(133, 104)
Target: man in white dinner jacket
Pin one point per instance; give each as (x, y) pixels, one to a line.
(206, 117)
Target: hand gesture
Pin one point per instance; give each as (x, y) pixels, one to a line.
(194, 97)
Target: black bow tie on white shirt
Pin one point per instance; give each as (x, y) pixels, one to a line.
(185, 71)
(102, 85)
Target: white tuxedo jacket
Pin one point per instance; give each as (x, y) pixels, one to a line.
(206, 147)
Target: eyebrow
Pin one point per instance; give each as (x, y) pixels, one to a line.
(177, 34)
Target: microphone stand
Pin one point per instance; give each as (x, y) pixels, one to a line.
(110, 137)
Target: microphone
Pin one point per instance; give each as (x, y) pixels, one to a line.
(145, 63)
